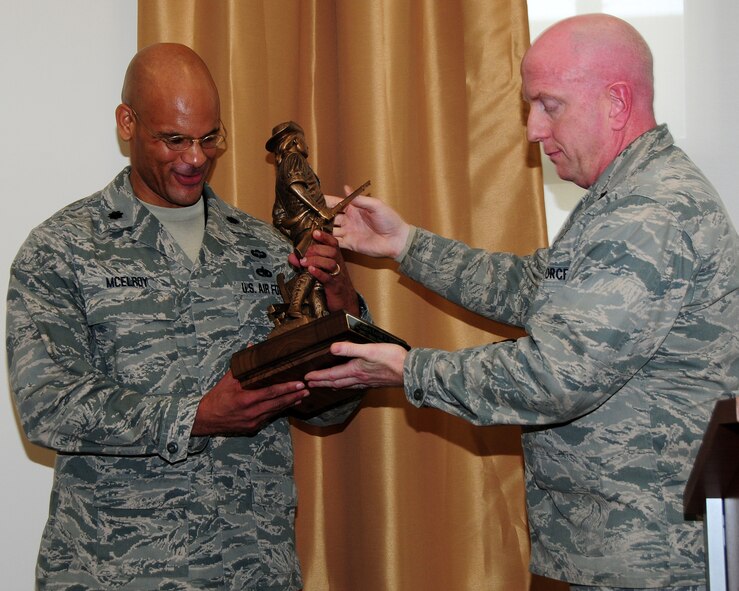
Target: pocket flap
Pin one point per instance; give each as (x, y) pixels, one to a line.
(163, 492)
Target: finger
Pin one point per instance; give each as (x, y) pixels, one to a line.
(348, 383)
(260, 405)
(327, 247)
(349, 349)
(324, 276)
(323, 259)
(284, 398)
(366, 202)
(325, 238)
(282, 402)
(330, 264)
(328, 375)
(277, 391)
(332, 200)
(286, 389)
(340, 234)
(293, 260)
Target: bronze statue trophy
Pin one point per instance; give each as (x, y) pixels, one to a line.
(304, 329)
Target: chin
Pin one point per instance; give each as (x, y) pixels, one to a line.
(186, 199)
(189, 202)
(569, 176)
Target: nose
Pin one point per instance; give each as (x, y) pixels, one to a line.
(194, 155)
(536, 128)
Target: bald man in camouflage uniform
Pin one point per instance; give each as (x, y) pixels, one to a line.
(123, 312)
(631, 314)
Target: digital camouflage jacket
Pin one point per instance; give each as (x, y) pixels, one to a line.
(631, 318)
(113, 338)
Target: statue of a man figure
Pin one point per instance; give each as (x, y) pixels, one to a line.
(299, 209)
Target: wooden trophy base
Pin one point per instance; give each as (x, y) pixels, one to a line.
(290, 355)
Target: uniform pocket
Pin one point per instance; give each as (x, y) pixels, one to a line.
(128, 304)
(567, 486)
(142, 527)
(133, 332)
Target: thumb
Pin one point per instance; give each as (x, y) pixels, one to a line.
(348, 349)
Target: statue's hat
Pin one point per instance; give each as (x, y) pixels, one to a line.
(279, 132)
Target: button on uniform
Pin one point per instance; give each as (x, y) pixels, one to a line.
(172, 447)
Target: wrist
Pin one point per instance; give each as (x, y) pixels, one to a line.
(405, 238)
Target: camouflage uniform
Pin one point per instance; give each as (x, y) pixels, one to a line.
(632, 324)
(113, 338)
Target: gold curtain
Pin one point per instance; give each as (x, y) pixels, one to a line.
(422, 97)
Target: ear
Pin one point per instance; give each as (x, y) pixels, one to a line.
(619, 94)
(124, 121)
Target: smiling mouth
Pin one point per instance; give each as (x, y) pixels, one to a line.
(189, 179)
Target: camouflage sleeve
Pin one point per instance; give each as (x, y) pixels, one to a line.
(587, 336)
(64, 401)
(498, 286)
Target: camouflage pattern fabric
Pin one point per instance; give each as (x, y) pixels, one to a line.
(632, 323)
(113, 338)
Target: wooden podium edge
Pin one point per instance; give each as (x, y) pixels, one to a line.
(709, 477)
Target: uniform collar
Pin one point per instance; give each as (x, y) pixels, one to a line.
(119, 207)
(121, 210)
(633, 158)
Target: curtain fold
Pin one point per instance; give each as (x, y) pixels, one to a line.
(424, 98)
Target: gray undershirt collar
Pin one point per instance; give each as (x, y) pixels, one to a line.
(185, 224)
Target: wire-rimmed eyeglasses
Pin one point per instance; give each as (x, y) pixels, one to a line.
(180, 143)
